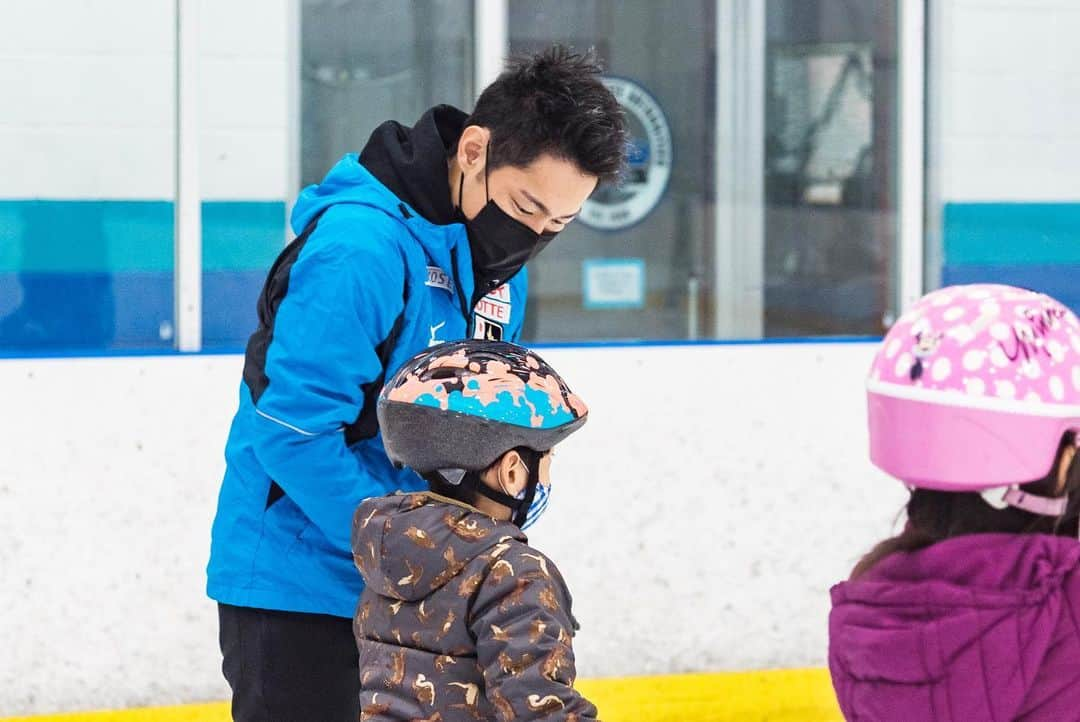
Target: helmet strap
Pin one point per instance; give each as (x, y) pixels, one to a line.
(469, 481)
(519, 507)
(522, 512)
(473, 483)
(1001, 497)
(1041, 505)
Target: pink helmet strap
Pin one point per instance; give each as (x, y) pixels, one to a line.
(1013, 496)
(1041, 505)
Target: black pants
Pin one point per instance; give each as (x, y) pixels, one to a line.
(289, 666)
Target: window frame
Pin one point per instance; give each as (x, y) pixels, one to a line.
(739, 229)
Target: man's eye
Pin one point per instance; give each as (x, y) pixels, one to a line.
(522, 210)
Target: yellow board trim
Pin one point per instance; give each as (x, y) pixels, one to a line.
(783, 695)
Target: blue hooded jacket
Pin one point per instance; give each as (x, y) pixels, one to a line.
(374, 281)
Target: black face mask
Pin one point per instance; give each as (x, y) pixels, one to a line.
(500, 245)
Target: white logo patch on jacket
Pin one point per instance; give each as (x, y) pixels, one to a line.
(438, 278)
(492, 314)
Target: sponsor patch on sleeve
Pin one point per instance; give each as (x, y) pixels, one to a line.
(437, 278)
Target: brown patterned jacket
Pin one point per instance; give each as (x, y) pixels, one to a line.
(460, 618)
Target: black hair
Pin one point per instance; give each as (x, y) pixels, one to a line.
(934, 516)
(554, 103)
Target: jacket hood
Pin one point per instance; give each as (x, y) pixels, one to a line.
(976, 613)
(408, 546)
(398, 165)
(402, 172)
(412, 162)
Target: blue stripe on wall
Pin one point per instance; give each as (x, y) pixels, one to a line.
(130, 310)
(85, 236)
(120, 236)
(98, 274)
(47, 310)
(229, 299)
(1033, 245)
(1057, 280)
(1011, 234)
(242, 235)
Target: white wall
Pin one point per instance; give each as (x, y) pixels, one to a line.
(1006, 92)
(90, 99)
(1003, 93)
(699, 517)
(87, 95)
(88, 104)
(244, 73)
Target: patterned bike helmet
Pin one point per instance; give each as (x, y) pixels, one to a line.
(974, 388)
(460, 406)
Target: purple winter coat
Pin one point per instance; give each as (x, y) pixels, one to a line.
(977, 628)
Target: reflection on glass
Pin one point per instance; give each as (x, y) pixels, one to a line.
(632, 266)
(826, 231)
(362, 62)
(830, 162)
(368, 61)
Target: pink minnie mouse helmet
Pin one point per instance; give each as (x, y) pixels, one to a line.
(974, 387)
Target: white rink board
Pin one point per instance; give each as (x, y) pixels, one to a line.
(699, 517)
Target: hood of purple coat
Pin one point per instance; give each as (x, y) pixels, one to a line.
(963, 625)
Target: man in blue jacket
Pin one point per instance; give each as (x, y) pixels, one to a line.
(421, 238)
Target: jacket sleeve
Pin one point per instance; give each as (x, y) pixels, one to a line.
(343, 299)
(523, 628)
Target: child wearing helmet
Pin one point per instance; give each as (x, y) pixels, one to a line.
(973, 611)
(460, 618)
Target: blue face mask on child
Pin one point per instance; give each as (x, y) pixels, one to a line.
(538, 506)
(539, 502)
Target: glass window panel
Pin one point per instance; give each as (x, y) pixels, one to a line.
(244, 165)
(830, 166)
(1002, 179)
(367, 61)
(86, 220)
(634, 265)
(361, 62)
(641, 261)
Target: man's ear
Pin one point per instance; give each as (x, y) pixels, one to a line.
(472, 148)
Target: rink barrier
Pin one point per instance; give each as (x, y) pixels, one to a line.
(76, 354)
(785, 695)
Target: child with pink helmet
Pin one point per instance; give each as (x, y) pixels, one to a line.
(973, 611)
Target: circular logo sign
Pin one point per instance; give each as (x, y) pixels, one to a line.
(614, 208)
